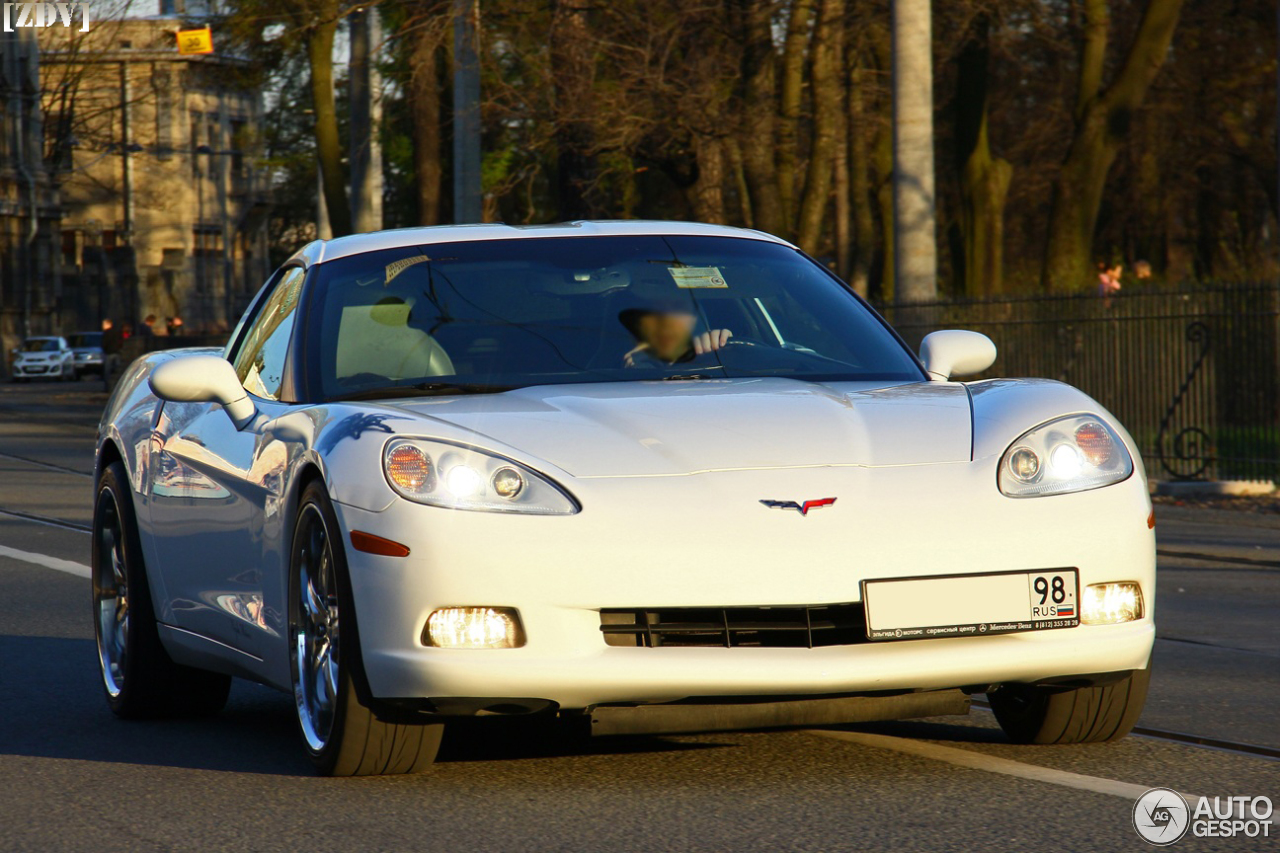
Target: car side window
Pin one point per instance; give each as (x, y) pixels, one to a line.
(260, 360)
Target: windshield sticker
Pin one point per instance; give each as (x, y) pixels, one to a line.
(396, 267)
(697, 276)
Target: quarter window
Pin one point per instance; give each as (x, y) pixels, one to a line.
(260, 362)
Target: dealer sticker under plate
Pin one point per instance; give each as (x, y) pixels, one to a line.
(971, 605)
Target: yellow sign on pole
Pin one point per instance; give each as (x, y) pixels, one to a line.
(195, 41)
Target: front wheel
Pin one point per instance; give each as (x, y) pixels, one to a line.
(1030, 714)
(342, 735)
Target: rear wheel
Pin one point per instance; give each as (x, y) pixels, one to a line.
(139, 678)
(1030, 714)
(343, 736)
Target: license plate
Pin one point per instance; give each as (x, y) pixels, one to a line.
(971, 605)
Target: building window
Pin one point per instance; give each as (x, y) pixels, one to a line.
(207, 242)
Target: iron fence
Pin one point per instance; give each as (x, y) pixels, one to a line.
(1193, 375)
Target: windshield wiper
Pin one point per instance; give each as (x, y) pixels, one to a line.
(422, 389)
(688, 377)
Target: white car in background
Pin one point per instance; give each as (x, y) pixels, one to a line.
(652, 477)
(43, 358)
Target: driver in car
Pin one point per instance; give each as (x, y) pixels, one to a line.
(664, 335)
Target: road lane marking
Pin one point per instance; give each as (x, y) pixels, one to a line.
(78, 569)
(61, 469)
(45, 520)
(990, 763)
(1007, 767)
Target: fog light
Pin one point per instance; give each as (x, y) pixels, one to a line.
(473, 628)
(1111, 603)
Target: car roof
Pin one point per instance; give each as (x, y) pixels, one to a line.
(320, 251)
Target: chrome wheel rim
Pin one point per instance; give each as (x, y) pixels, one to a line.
(314, 629)
(110, 594)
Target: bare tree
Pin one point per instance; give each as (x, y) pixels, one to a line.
(828, 114)
(1102, 119)
(364, 87)
(318, 20)
(984, 177)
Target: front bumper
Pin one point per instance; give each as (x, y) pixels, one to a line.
(42, 369)
(706, 541)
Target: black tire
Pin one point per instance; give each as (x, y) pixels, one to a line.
(343, 736)
(1082, 715)
(138, 677)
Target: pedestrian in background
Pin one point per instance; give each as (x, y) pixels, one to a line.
(1142, 270)
(1108, 282)
(1109, 279)
(145, 329)
(112, 343)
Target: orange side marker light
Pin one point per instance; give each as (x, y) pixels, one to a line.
(371, 544)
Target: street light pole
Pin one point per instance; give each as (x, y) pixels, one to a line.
(126, 185)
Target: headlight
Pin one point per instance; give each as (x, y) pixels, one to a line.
(1071, 454)
(460, 477)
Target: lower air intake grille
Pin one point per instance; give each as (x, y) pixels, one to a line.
(732, 627)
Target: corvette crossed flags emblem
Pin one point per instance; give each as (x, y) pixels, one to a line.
(802, 508)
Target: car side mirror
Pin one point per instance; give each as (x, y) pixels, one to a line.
(204, 379)
(954, 352)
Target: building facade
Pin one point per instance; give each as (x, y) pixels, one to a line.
(30, 288)
(157, 157)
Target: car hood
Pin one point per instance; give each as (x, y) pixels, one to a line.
(631, 429)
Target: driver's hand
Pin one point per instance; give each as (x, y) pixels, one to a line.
(711, 341)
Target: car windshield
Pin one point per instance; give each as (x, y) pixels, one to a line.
(40, 345)
(493, 315)
(85, 339)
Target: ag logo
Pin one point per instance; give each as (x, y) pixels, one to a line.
(1161, 816)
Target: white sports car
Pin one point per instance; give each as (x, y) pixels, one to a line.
(655, 477)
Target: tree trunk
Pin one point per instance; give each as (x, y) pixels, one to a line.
(793, 56)
(914, 216)
(424, 105)
(984, 178)
(737, 168)
(706, 193)
(758, 111)
(1101, 125)
(864, 225)
(844, 213)
(364, 87)
(828, 108)
(328, 147)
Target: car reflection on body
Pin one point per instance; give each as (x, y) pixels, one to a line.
(654, 477)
